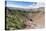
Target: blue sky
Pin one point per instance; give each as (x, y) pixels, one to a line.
(23, 4)
(20, 3)
(23, 0)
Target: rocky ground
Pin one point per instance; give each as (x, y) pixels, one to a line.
(37, 20)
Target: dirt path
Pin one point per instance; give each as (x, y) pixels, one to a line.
(38, 21)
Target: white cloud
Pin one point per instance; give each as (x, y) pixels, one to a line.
(10, 5)
(39, 4)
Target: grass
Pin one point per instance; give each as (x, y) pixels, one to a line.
(15, 19)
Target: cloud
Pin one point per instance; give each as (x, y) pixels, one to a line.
(11, 5)
(39, 4)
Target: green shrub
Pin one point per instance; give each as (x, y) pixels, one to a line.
(15, 19)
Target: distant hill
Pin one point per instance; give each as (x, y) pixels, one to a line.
(28, 9)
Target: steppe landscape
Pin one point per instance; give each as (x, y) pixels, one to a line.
(20, 19)
(20, 15)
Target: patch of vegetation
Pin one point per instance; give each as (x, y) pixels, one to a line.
(15, 19)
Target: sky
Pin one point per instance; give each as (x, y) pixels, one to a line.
(23, 4)
(20, 3)
(24, 0)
